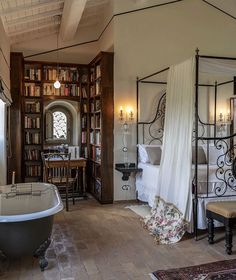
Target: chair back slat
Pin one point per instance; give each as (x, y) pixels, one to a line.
(56, 167)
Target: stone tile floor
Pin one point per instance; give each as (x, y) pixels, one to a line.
(107, 242)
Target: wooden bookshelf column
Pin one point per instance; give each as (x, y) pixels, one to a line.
(32, 122)
(101, 119)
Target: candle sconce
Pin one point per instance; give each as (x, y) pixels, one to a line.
(126, 115)
(126, 118)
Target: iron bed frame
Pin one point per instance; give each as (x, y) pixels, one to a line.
(226, 163)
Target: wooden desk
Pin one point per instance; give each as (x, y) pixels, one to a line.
(74, 163)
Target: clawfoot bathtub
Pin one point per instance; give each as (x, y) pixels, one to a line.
(26, 219)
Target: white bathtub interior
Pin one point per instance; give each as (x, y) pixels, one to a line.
(28, 201)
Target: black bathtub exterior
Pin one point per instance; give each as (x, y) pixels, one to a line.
(24, 238)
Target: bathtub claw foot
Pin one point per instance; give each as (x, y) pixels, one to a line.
(43, 263)
(2, 256)
(40, 253)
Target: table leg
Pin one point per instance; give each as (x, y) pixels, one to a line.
(84, 183)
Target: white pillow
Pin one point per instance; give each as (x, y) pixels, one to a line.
(214, 153)
(142, 153)
(201, 155)
(154, 154)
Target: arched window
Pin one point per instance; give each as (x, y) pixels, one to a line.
(58, 125)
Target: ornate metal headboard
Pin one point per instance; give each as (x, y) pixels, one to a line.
(152, 131)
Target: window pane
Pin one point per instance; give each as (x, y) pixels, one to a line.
(59, 125)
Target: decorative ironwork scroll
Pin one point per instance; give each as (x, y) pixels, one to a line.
(152, 131)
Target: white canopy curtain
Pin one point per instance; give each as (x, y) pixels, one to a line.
(5, 94)
(220, 67)
(5, 100)
(169, 218)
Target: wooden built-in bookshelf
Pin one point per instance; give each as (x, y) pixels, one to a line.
(101, 114)
(38, 87)
(92, 86)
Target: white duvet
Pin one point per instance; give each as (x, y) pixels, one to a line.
(147, 187)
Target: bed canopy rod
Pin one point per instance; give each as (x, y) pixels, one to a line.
(152, 82)
(151, 75)
(216, 57)
(217, 138)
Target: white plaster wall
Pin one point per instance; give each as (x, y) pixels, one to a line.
(5, 75)
(152, 39)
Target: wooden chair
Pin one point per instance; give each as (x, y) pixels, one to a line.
(224, 212)
(57, 171)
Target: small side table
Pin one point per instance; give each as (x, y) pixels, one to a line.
(127, 170)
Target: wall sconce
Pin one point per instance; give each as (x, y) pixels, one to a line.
(127, 115)
(221, 117)
(228, 116)
(224, 117)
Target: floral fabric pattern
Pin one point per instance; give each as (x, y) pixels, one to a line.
(165, 223)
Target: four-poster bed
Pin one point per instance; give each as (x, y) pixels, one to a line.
(212, 177)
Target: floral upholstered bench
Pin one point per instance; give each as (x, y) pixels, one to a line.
(224, 212)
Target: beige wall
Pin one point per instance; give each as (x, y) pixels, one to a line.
(144, 42)
(152, 39)
(5, 75)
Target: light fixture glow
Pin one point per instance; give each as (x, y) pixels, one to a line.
(57, 84)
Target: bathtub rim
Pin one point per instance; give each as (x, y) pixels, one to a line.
(36, 215)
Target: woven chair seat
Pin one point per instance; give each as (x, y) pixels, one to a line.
(226, 209)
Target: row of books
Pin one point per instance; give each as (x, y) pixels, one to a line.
(95, 138)
(32, 154)
(69, 74)
(98, 71)
(96, 153)
(95, 106)
(84, 122)
(97, 171)
(98, 87)
(32, 90)
(64, 90)
(84, 108)
(84, 92)
(95, 121)
(34, 170)
(32, 107)
(84, 152)
(92, 75)
(92, 91)
(32, 138)
(32, 122)
(83, 137)
(32, 74)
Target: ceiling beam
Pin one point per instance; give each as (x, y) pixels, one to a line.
(41, 4)
(31, 18)
(29, 29)
(72, 13)
(32, 35)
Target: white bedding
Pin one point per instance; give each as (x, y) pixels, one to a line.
(147, 187)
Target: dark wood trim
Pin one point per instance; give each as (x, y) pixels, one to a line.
(15, 127)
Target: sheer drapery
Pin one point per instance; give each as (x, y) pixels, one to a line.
(175, 168)
(168, 219)
(5, 94)
(3, 162)
(217, 67)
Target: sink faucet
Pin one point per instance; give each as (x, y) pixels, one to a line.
(13, 186)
